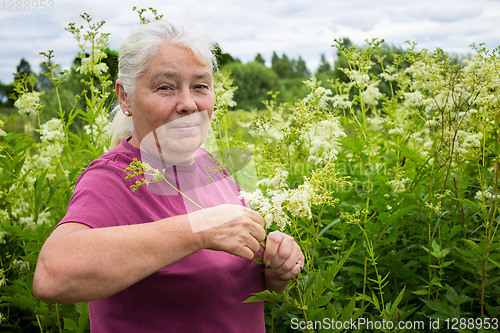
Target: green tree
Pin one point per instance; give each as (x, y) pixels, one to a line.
(260, 59)
(324, 69)
(222, 57)
(282, 66)
(300, 68)
(111, 61)
(254, 81)
(43, 82)
(24, 67)
(5, 91)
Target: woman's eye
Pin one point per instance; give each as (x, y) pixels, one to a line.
(164, 88)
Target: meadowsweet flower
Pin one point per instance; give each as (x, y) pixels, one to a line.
(227, 98)
(52, 131)
(397, 130)
(300, 201)
(100, 129)
(20, 265)
(465, 142)
(371, 150)
(376, 123)
(324, 139)
(270, 209)
(27, 222)
(399, 185)
(28, 103)
(318, 95)
(341, 101)
(93, 65)
(44, 217)
(389, 77)
(360, 79)
(414, 98)
(278, 181)
(372, 94)
(2, 132)
(487, 195)
(253, 198)
(42, 161)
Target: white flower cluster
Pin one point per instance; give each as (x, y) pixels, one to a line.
(2, 132)
(414, 98)
(28, 103)
(466, 142)
(487, 195)
(323, 140)
(376, 123)
(273, 201)
(20, 265)
(341, 101)
(277, 182)
(318, 95)
(29, 223)
(92, 65)
(360, 79)
(100, 130)
(300, 201)
(372, 94)
(399, 185)
(269, 206)
(52, 131)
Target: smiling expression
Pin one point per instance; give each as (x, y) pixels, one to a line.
(173, 100)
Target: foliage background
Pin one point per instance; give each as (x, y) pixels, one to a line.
(383, 166)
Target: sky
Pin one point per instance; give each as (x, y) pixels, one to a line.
(243, 28)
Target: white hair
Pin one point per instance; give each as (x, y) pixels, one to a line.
(143, 44)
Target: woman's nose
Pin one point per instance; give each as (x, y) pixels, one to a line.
(185, 102)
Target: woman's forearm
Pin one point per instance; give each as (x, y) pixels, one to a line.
(79, 264)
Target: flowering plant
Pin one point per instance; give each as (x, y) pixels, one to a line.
(387, 179)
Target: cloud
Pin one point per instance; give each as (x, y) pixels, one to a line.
(245, 28)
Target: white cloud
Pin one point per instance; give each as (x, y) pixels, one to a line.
(245, 28)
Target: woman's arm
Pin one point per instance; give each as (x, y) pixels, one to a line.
(78, 263)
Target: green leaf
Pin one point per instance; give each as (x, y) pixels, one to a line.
(22, 301)
(258, 260)
(319, 302)
(398, 299)
(328, 227)
(494, 262)
(83, 319)
(70, 324)
(269, 296)
(454, 298)
(375, 302)
(471, 244)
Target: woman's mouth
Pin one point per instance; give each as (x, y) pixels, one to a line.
(185, 127)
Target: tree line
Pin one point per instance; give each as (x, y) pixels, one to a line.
(254, 79)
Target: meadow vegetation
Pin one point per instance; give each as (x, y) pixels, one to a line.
(384, 168)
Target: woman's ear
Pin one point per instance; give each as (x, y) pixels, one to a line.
(122, 96)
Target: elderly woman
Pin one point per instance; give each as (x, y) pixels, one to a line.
(173, 258)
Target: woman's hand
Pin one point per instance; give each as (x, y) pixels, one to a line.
(283, 258)
(231, 228)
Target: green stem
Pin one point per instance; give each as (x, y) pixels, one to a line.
(58, 318)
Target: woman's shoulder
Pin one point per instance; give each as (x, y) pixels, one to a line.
(113, 163)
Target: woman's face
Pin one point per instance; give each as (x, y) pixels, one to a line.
(172, 103)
